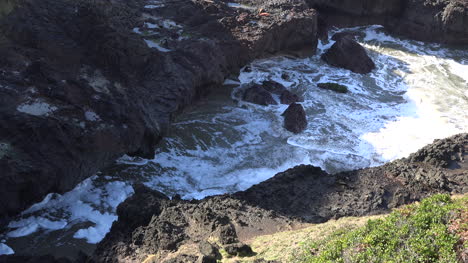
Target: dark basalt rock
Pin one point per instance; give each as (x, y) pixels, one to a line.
(259, 95)
(286, 96)
(301, 194)
(347, 34)
(295, 118)
(359, 7)
(274, 87)
(161, 221)
(433, 20)
(347, 53)
(33, 259)
(425, 20)
(442, 153)
(79, 88)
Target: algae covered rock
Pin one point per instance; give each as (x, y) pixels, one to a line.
(333, 86)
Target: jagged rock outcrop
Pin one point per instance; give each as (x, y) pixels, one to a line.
(347, 53)
(426, 20)
(433, 20)
(262, 94)
(359, 7)
(151, 224)
(84, 82)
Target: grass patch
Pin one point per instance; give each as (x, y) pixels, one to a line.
(333, 86)
(431, 231)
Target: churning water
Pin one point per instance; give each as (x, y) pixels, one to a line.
(419, 92)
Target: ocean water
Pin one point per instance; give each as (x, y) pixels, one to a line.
(417, 93)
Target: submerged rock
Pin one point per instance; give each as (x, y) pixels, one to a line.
(262, 94)
(347, 53)
(295, 118)
(287, 97)
(274, 87)
(258, 95)
(333, 87)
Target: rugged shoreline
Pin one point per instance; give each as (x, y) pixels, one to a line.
(83, 83)
(80, 87)
(303, 194)
(151, 225)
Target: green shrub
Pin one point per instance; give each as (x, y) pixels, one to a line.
(414, 233)
(333, 86)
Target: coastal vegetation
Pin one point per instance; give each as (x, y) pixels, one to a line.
(434, 230)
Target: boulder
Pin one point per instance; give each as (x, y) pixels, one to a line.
(295, 118)
(208, 250)
(348, 54)
(239, 249)
(258, 95)
(273, 87)
(286, 96)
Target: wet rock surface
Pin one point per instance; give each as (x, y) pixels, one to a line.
(425, 20)
(347, 53)
(84, 82)
(295, 119)
(258, 95)
(302, 194)
(262, 94)
(433, 20)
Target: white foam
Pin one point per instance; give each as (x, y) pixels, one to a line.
(6, 250)
(87, 202)
(91, 116)
(37, 108)
(151, 26)
(32, 224)
(125, 159)
(153, 44)
(153, 6)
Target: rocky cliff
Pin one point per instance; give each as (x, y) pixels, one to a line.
(152, 226)
(84, 82)
(425, 20)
